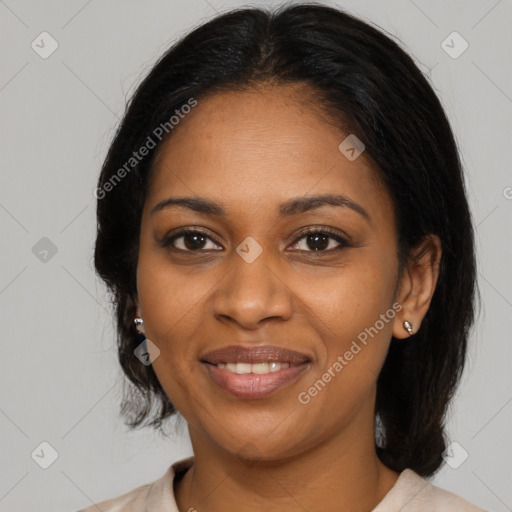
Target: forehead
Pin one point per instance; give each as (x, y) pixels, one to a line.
(260, 146)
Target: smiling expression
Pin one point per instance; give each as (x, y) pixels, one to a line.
(260, 171)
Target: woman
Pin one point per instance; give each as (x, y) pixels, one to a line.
(283, 224)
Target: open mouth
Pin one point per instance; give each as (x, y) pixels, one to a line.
(255, 371)
(253, 381)
(256, 368)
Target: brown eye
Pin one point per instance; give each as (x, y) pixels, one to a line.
(190, 241)
(320, 241)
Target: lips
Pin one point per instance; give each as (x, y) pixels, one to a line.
(254, 355)
(254, 372)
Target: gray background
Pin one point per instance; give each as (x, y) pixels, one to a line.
(60, 379)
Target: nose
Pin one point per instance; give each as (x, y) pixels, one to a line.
(252, 293)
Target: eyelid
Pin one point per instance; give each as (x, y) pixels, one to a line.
(336, 234)
(340, 237)
(168, 238)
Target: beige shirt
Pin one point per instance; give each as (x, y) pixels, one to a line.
(411, 493)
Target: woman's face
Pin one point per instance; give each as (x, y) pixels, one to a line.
(253, 276)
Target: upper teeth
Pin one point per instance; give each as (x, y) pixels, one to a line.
(253, 368)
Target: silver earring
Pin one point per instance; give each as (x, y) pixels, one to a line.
(138, 324)
(408, 327)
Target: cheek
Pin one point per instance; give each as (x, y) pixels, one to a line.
(354, 314)
(172, 309)
(351, 299)
(172, 301)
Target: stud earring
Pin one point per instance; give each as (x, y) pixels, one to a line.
(138, 325)
(408, 327)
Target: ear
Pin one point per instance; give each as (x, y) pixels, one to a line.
(138, 309)
(138, 314)
(417, 285)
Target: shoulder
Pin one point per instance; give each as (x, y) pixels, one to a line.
(132, 501)
(445, 501)
(412, 493)
(154, 496)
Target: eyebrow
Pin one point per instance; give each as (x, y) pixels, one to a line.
(291, 207)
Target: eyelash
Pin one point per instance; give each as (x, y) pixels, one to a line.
(167, 241)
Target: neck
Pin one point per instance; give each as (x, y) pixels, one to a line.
(342, 473)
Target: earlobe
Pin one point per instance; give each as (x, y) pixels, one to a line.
(408, 327)
(138, 320)
(417, 286)
(138, 309)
